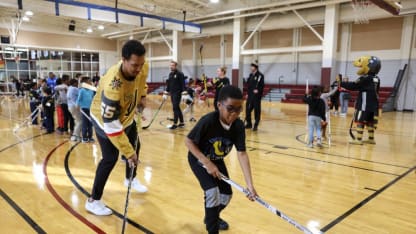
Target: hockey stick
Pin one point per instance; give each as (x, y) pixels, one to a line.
(29, 119)
(204, 78)
(352, 122)
(329, 128)
(127, 199)
(130, 179)
(268, 206)
(85, 114)
(307, 112)
(155, 115)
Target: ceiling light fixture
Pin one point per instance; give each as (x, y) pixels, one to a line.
(89, 30)
(214, 1)
(25, 18)
(29, 13)
(100, 27)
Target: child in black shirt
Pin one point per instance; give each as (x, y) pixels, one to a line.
(316, 114)
(48, 106)
(209, 142)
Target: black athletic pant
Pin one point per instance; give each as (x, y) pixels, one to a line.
(217, 193)
(68, 120)
(177, 113)
(110, 157)
(253, 103)
(334, 102)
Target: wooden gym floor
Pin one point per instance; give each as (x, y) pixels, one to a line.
(341, 188)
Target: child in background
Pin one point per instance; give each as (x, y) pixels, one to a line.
(188, 99)
(58, 107)
(48, 106)
(316, 114)
(72, 97)
(84, 102)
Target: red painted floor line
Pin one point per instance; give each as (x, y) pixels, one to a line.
(59, 199)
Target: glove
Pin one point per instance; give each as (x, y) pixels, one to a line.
(165, 95)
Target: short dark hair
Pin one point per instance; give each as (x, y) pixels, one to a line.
(85, 79)
(316, 91)
(47, 90)
(65, 77)
(230, 91)
(72, 82)
(132, 47)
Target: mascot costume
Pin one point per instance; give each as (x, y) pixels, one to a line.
(366, 105)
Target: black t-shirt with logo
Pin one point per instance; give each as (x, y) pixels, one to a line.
(213, 140)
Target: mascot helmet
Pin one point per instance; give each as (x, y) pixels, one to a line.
(368, 65)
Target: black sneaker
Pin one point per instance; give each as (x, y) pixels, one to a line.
(174, 126)
(181, 125)
(255, 128)
(223, 225)
(248, 126)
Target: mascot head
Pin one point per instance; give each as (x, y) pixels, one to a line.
(369, 65)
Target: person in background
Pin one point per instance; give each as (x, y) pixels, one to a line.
(334, 104)
(344, 98)
(255, 86)
(325, 95)
(175, 86)
(316, 114)
(220, 81)
(48, 107)
(67, 121)
(189, 100)
(84, 101)
(72, 96)
(51, 81)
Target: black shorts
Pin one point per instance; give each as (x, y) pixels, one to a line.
(364, 116)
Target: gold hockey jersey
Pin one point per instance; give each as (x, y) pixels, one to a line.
(114, 105)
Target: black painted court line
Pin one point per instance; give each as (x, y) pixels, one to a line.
(335, 155)
(22, 213)
(335, 163)
(365, 201)
(82, 190)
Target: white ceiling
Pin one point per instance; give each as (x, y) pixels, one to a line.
(200, 12)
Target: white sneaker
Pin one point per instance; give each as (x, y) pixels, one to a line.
(136, 185)
(97, 207)
(319, 143)
(75, 138)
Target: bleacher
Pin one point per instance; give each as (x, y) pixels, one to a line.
(290, 93)
(298, 91)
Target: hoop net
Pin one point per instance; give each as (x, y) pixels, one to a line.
(360, 9)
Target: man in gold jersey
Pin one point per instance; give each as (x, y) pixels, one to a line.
(121, 90)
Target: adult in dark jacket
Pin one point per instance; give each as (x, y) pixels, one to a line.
(175, 85)
(255, 86)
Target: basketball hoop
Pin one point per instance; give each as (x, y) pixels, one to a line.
(360, 9)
